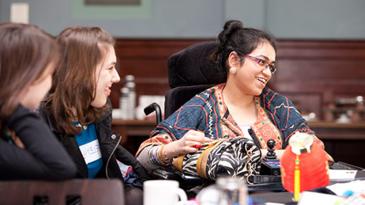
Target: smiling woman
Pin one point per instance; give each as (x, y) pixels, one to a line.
(79, 112)
(241, 114)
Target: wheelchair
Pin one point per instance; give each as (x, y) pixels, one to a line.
(191, 71)
(186, 79)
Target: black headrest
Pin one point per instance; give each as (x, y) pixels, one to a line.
(193, 66)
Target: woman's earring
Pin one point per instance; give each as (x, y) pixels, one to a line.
(233, 70)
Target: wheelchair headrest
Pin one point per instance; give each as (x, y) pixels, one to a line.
(193, 66)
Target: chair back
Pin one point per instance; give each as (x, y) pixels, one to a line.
(176, 97)
(69, 192)
(191, 71)
(194, 66)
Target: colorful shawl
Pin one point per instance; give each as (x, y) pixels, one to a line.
(278, 119)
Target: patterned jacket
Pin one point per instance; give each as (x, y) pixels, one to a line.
(277, 118)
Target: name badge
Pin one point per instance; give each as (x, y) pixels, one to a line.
(91, 151)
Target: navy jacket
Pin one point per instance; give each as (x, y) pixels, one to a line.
(43, 157)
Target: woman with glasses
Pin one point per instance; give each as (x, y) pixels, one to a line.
(243, 106)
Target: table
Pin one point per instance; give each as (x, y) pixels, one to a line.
(132, 128)
(338, 131)
(133, 132)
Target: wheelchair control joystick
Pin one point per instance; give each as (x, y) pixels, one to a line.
(270, 165)
(271, 150)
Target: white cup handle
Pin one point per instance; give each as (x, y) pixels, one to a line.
(182, 196)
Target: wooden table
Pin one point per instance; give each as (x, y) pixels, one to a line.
(339, 131)
(133, 132)
(133, 128)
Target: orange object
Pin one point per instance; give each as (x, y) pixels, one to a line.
(312, 169)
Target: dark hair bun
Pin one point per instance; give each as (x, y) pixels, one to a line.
(229, 28)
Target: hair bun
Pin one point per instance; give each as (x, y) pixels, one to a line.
(232, 26)
(225, 41)
(229, 28)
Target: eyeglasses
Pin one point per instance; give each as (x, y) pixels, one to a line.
(263, 63)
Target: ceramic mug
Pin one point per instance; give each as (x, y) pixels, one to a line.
(163, 192)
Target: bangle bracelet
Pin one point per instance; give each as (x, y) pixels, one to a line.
(153, 155)
(162, 157)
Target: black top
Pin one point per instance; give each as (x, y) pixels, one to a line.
(43, 156)
(109, 147)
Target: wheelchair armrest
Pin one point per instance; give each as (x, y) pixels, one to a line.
(154, 107)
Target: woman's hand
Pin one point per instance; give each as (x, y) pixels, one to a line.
(19, 143)
(16, 140)
(189, 143)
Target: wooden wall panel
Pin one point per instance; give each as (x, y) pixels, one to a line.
(146, 59)
(326, 69)
(311, 72)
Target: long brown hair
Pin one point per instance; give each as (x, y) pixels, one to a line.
(74, 84)
(25, 53)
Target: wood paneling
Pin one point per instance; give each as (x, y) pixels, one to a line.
(315, 73)
(311, 72)
(147, 61)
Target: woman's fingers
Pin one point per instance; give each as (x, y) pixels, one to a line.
(188, 143)
(190, 150)
(192, 141)
(196, 136)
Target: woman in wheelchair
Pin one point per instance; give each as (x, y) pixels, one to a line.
(28, 148)
(79, 112)
(224, 130)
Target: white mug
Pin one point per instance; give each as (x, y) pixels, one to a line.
(162, 192)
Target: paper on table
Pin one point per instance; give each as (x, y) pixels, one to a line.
(342, 175)
(354, 186)
(310, 198)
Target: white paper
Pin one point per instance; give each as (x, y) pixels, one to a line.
(310, 198)
(342, 175)
(91, 151)
(354, 186)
